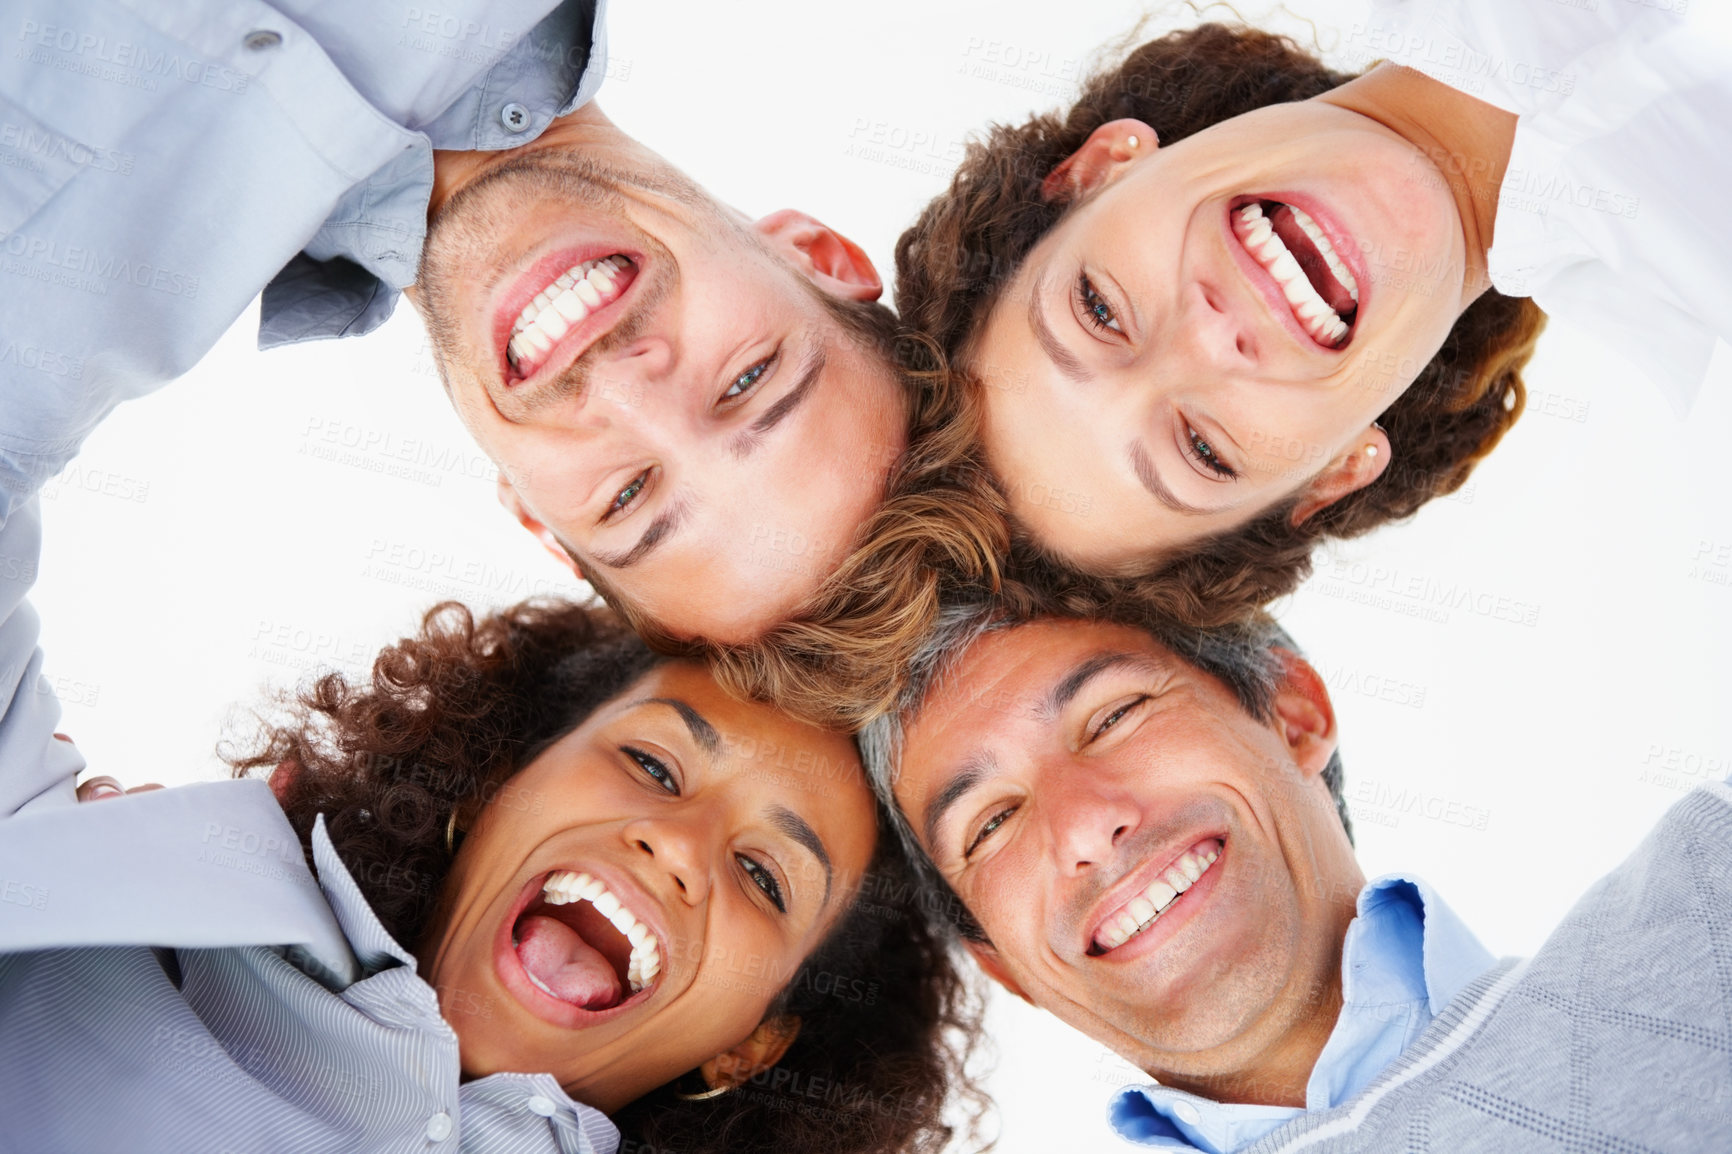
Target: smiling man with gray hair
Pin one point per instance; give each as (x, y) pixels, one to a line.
(1146, 829)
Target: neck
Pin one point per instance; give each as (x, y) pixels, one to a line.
(585, 129)
(1467, 140)
(1279, 1074)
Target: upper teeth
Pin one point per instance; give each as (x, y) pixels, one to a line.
(1261, 241)
(563, 886)
(1142, 911)
(571, 297)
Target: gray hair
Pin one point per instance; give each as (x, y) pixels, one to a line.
(1242, 657)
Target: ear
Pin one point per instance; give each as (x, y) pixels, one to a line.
(995, 969)
(1362, 463)
(1103, 156)
(761, 1050)
(1305, 713)
(549, 540)
(827, 258)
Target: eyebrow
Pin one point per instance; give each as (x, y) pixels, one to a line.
(811, 369)
(974, 771)
(1151, 479)
(659, 531)
(702, 731)
(1064, 691)
(795, 827)
(1068, 362)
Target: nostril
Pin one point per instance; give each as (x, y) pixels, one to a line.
(645, 846)
(1120, 832)
(1243, 345)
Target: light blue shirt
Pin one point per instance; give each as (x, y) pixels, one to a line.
(1405, 958)
(283, 1017)
(161, 161)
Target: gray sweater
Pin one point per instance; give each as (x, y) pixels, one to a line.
(1615, 1037)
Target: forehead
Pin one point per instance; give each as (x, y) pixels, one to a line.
(1007, 678)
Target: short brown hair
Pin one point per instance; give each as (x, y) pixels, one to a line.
(968, 243)
(838, 660)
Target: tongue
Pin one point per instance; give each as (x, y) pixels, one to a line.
(1333, 292)
(566, 964)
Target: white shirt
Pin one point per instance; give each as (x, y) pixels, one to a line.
(1610, 215)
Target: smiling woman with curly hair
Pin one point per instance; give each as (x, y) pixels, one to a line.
(574, 879)
(1214, 313)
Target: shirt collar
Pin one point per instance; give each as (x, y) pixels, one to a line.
(578, 1128)
(1406, 956)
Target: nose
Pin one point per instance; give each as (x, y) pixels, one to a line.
(1216, 329)
(675, 851)
(625, 378)
(1087, 815)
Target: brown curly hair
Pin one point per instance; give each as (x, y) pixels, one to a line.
(968, 243)
(445, 720)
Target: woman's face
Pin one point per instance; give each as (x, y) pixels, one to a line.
(731, 835)
(1158, 372)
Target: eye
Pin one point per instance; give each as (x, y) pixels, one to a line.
(1096, 310)
(656, 770)
(1204, 454)
(623, 499)
(988, 829)
(751, 378)
(1117, 716)
(764, 880)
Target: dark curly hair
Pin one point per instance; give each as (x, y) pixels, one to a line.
(450, 714)
(969, 242)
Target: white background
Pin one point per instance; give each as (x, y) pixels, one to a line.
(275, 513)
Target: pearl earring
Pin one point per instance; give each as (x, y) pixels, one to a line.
(1130, 142)
(1371, 450)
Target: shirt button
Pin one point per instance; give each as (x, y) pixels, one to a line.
(262, 39)
(540, 1105)
(439, 1127)
(1187, 1113)
(515, 117)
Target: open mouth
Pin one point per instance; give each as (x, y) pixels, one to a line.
(578, 943)
(563, 304)
(1158, 897)
(1296, 253)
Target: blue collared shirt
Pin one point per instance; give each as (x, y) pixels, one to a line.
(229, 1041)
(1405, 958)
(161, 161)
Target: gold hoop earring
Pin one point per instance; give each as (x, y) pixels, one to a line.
(451, 833)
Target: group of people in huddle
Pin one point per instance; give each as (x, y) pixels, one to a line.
(718, 860)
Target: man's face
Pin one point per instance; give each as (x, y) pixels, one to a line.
(665, 393)
(1150, 863)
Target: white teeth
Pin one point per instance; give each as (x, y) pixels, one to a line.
(568, 306)
(563, 887)
(1336, 267)
(1145, 909)
(1313, 312)
(562, 304)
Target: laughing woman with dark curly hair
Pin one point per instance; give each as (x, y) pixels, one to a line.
(560, 880)
(1232, 302)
